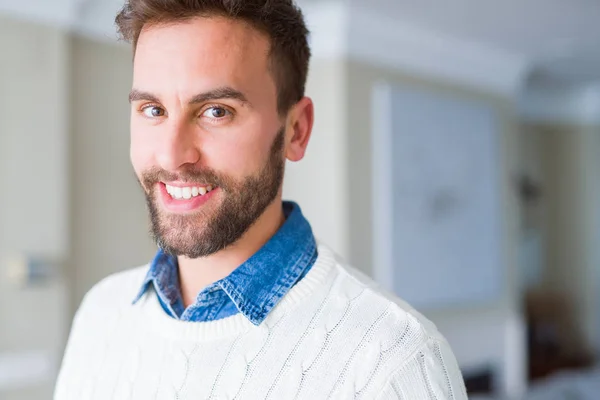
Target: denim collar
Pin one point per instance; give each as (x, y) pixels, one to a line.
(256, 286)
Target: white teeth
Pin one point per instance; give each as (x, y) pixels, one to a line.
(177, 192)
(187, 192)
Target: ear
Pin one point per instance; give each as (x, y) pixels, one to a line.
(299, 129)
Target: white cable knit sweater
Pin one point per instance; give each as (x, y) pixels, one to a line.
(333, 336)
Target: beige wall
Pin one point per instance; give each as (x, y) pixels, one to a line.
(319, 182)
(34, 199)
(480, 334)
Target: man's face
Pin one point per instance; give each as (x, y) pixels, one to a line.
(207, 142)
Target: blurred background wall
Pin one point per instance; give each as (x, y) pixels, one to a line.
(70, 198)
(34, 206)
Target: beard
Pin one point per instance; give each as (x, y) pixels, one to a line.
(212, 229)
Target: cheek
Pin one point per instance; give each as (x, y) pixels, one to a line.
(237, 158)
(140, 152)
(136, 160)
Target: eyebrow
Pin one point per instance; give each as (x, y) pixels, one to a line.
(215, 94)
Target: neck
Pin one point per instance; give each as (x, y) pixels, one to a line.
(196, 274)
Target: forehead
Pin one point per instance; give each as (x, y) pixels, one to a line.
(201, 53)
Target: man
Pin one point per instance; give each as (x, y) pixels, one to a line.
(240, 302)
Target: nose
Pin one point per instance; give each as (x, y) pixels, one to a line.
(178, 148)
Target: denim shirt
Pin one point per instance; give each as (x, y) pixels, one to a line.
(253, 289)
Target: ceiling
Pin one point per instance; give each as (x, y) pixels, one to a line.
(560, 37)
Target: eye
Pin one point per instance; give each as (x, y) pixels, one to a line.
(153, 111)
(216, 112)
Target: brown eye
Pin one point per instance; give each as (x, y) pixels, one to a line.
(153, 112)
(216, 112)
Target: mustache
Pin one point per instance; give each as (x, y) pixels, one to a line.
(206, 176)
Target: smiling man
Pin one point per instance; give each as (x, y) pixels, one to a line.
(241, 301)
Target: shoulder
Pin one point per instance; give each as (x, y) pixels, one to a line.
(373, 298)
(409, 352)
(116, 291)
(99, 315)
(105, 305)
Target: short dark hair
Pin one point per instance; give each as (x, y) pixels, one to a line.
(281, 20)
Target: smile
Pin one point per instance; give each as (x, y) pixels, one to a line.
(187, 192)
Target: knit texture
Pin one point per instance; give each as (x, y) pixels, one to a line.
(335, 335)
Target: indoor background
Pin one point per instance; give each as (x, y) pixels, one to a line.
(456, 149)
